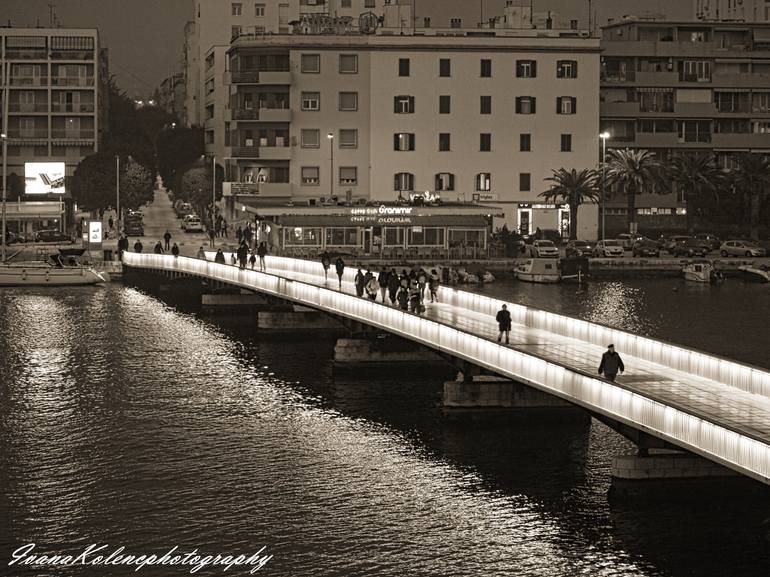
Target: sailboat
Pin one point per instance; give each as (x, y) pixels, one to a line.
(51, 272)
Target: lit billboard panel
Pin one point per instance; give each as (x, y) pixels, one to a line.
(44, 178)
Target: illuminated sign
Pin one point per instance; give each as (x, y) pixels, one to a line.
(542, 206)
(381, 215)
(94, 232)
(44, 178)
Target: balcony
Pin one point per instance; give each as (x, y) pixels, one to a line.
(281, 77)
(245, 151)
(741, 140)
(275, 152)
(29, 81)
(76, 81)
(72, 108)
(666, 79)
(262, 114)
(40, 133)
(275, 189)
(271, 189)
(26, 54)
(722, 80)
(63, 54)
(613, 109)
(704, 109)
(28, 108)
(73, 134)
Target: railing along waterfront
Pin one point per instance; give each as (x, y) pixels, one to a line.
(742, 453)
(724, 371)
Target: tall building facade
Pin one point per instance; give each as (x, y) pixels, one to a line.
(56, 104)
(466, 114)
(684, 87)
(743, 10)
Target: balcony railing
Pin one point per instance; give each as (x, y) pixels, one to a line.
(73, 54)
(27, 107)
(26, 54)
(29, 80)
(87, 133)
(245, 114)
(28, 133)
(72, 81)
(244, 77)
(246, 151)
(87, 107)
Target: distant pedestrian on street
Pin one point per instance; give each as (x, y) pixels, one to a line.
(252, 260)
(372, 286)
(138, 247)
(382, 282)
(233, 259)
(175, 250)
(219, 258)
(360, 280)
(394, 284)
(326, 262)
(212, 237)
(239, 234)
(433, 283)
(167, 240)
(122, 246)
(224, 228)
(243, 255)
(111, 223)
(611, 364)
(201, 254)
(403, 298)
(158, 248)
(422, 281)
(415, 300)
(503, 319)
(339, 265)
(261, 252)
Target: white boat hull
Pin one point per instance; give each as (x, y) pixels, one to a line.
(11, 275)
(541, 278)
(755, 274)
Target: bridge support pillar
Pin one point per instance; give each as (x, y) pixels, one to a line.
(388, 353)
(662, 464)
(298, 323)
(488, 394)
(233, 303)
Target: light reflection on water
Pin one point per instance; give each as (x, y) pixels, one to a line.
(125, 421)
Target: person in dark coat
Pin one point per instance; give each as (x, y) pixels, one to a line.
(611, 364)
(167, 240)
(403, 298)
(433, 285)
(212, 237)
(122, 246)
(503, 319)
(252, 260)
(382, 282)
(219, 258)
(138, 246)
(422, 280)
(175, 250)
(158, 248)
(415, 299)
(326, 263)
(393, 285)
(339, 265)
(243, 255)
(261, 252)
(360, 281)
(239, 234)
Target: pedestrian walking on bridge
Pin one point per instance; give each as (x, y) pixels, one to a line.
(611, 364)
(339, 265)
(167, 240)
(201, 254)
(261, 252)
(503, 319)
(175, 250)
(138, 246)
(158, 248)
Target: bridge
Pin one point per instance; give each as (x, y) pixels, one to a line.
(709, 406)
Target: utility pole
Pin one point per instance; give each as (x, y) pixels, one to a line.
(4, 137)
(117, 190)
(213, 188)
(330, 136)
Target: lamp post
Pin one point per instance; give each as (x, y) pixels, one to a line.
(4, 137)
(604, 136)
(117, 190)
(330, 136)
(213, 188)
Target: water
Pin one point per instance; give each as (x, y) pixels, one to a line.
(126, 422)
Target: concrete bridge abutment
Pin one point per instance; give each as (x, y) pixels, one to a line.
(298, 322)
(384, 354)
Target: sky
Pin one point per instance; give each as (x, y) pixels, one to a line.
(144, 37)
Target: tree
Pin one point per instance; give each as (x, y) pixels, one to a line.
(93, 184)
(195, 186)
(698, 177)
(752, 179)
(177, 148)
(136, 184)
(574, 188)
(634, 171)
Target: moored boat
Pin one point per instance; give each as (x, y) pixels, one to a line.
(540, 270)
(702, 272)
(42, 274)
(756, 273)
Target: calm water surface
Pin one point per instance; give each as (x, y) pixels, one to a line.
(127, 422)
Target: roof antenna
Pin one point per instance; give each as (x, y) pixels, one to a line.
(51, 13)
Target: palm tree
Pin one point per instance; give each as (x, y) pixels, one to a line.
(752, 178)
(574, 188)
(697, 176)
(634, 171)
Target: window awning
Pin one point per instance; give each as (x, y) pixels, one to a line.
(338, 220)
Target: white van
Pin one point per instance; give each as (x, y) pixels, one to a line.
(191, 223)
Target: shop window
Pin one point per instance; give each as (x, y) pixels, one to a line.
(310, 138)
(302, 236)
(483, 182)
(466, 237)
(394, 236)
(348, 175)
(426, 236)
(526, 69)
(310, 175)
(348, 63)
(348, 138)
(342, 236)
(310, 63)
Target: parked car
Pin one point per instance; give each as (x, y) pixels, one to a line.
(52, 236)
(691, 247)
(14, 237)
(608, 248)
(133, 228)
(645, 247)
(192, 223)
(709, 238)
(544, 249)
(627, 240)
(747, 248)
(671, 241)
(579, 248)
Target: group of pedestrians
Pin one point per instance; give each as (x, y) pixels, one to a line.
(241, 256)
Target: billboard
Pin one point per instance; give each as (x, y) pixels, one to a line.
(44, 178)
(94, 233)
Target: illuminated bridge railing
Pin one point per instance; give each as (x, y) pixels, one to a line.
(725, 371)
(744, 454)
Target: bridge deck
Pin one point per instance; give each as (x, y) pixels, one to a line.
(721, 420)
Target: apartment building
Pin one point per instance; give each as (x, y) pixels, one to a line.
(684, 87)
(739, 10)
(470, 115)
(170, 95)
(56, 107)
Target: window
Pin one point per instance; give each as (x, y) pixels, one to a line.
(566, 69)
(403, 67)
(259, 10)
(348, 63)
(342, 236)
(345, 4)
(348, 138)
(394, 236)
(310, 175)
(348, 101)
(483, 182)
(525, 105)
(456, 23)
(444, 142)
(311, 101)
(369, 4)
(486, 105)
(310, 63)
(348, 175)
(694, 70)
(403, 141)
(303, 236)
(237, 8)
(403, 104)
(525, 142)
(566, 143)
(445, 181)
(566, 105)
(486, 68)
(426, 236)
(403, 181)
(524, 182)
(310, 138)
(235, 31)
(485, 142)
(444, 67)
(526, 69)
(444, 104)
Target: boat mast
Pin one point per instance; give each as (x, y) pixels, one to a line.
(4, 137)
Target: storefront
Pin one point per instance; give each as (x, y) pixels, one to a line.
(543, 216)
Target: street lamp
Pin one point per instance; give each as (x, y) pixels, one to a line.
(330, 136)
(604, 136)
(117, 189)
(213, 187)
